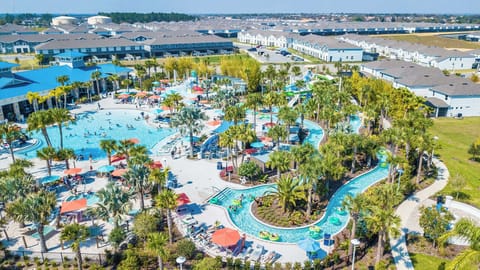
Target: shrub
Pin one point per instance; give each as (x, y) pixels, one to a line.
(247, 265)
(288, 266)
(186, 248)
(256, 266)
(307, 264)
(297, 266)
(277, 266)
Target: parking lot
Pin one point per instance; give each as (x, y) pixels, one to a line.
(264, 55)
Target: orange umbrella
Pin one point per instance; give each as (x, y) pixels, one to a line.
(214, 122)
(73, 205)
(116, 158)
(154, 97)
(266, 139)
(225, 237)
(123, 96)
(72, 171)
(141, 94)
(204, 101)
(182, 199)
(119, 172)
(165, 108)
(156, 165)
(134, 140)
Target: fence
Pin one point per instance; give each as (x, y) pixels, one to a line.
(61, 257)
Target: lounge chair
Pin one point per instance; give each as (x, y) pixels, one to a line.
(245, 253)
(269, 257)
(256, 254)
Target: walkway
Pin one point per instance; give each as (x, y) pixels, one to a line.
(409, 208)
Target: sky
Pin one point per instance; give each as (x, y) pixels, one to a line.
(241, 6)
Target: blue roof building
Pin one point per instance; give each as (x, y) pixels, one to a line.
(15, 86)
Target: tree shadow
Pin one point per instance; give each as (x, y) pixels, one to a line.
(459, 195)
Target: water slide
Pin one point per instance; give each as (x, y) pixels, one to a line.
(293, 101)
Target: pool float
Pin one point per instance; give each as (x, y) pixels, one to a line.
(335, 221)
(214, 201)
(274, 237)
(383, 164)
(237, 202)
(341, 212)
(264, 234)
(315, 235)
(314, 228)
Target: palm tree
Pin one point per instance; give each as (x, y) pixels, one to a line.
(126, 83)
(173, 101)
(114, 202)
(279, 160)
(10, 132)
(33, 98)
(36, 208)
(139, 155)
(189, 121)
(310, 171)
(108, 146)
(40, 120)
(76, 233)
(48, 154)
(137, 178)
(123, 149)
(96, 75)
(245, 134)
(383, 222)
(65, 154)
(288, 116)
(254, 101)
(159, 177)
(62, 80)
(301, 153)
(288, 191)
(226, 140)
(60, 117)
(235, 114)
(354, 205)
(167, 200)
(277, 133)
(272, 99)
(114, 79)
(156, 243)
(470, 231)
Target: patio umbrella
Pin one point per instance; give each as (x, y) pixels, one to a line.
(182, 199)
(73, 205)
(134, 140)
(154, 97)
(157, 111)
(250, 151)
(73, 171)
(257, 145)
(123, 96)
(214, 122)
(225, 237)
(309, 245)
(269, 124)
(197, 88)
(48, 179)
(116, 158)
(156, 165)
(266, 139)
(106, 169)
(119, 172)
(141, 94)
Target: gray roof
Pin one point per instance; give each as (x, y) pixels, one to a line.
(458, 87)
(87, 43)
(45, 37)
(185, 40)
(437, 103)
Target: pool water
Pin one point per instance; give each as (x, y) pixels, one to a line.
(91, 127)
(91, 198)
(355, 123)
(315, 133)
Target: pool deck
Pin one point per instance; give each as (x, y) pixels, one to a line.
(199, 179)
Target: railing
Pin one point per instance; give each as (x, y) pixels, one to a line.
(59, 256)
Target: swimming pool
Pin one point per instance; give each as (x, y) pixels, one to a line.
(91, 127)
(315, 133)
(355, 123)
(333, 221)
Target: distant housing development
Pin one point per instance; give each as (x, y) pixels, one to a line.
(447, 95)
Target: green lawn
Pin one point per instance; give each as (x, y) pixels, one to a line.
(455, 136)
(434, 40)
(426, 262)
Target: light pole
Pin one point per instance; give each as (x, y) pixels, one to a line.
(181, 260)
(355, 242)
(400, 172)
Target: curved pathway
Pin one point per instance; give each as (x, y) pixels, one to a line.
(410, 207)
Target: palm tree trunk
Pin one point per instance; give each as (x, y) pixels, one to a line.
(309, 201)
(191, 144)
(279, 173)
(79, 259)
(160, 262)
(379, 247)
(352, 167)
(49, 168)
(142, 202)
(61, 134)
(419, 169)
(47, 138)
(254, 119)
(169, 225)
(65, 100)
(352, 236)
(43, 243)
(11, 152)
(67, 164)
(98, 88)
(109, 156)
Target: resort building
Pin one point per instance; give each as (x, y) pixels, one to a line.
(27, 43)
(448, 95)
(15, 86)
(328, 49)
(423, 55)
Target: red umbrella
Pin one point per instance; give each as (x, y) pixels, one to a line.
(141, 94)
(250, 151)
(214, 123)
(123, 96)
(73, 171)
(182, 199)
(197, 88)
(154, 97)
(156, 165)
(119, 172)
(116, 158)
(225, 237)
(134, 140)
(266, 139)
(269, 124)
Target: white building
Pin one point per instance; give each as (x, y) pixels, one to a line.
(99, 20)
(62, 20)
(328, 49)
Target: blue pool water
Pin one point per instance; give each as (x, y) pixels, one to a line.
(84, 136)
(355, 123)
(247, 223)
(91, 198)
(315, 134)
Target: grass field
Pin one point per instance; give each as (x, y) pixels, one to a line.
(211, 59)
(435, 40)
(455, 137)
(426, 262)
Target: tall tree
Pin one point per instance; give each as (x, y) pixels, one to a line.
(189, 122)
(108, 145)
(60, 117)
(48, 154)
(279, 160)
(114, 203)
(10, 132)
(96, 76)
(137, 178)
(254, 101)
(156, 244)
(40, 120)
(354, 205)
(76, 233)
(167, 200)
(288, 191)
